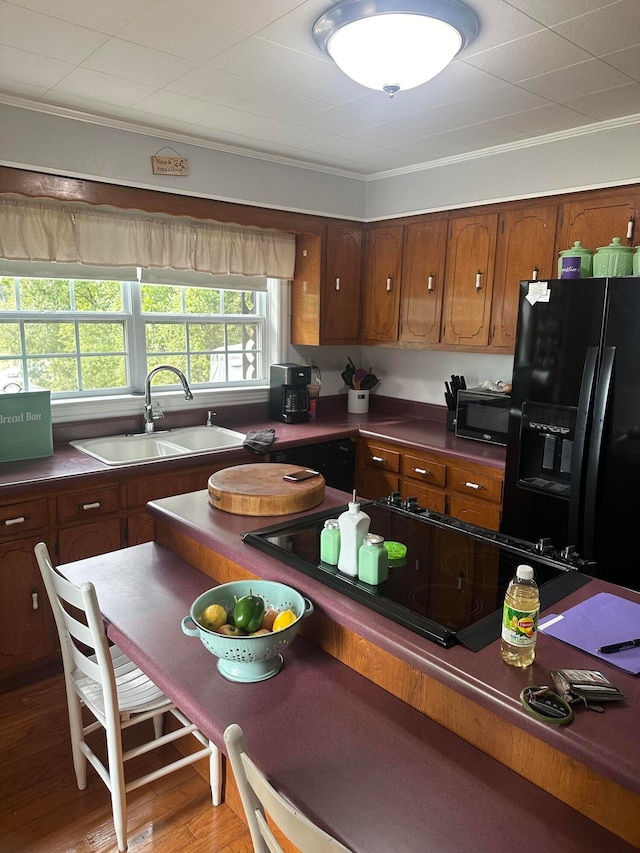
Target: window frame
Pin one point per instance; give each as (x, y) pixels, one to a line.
(274, 320)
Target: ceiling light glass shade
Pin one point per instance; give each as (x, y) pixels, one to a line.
(392, 45)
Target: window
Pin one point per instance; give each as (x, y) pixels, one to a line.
(81, 337)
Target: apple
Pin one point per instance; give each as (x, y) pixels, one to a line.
(231, 631)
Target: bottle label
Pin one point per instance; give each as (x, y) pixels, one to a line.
(519, 626)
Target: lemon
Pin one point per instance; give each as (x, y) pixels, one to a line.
(283, 620)
(213, 616)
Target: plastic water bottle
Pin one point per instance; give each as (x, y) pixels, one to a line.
(354, 526)
(520, 619)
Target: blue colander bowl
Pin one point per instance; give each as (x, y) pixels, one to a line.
(248, 659)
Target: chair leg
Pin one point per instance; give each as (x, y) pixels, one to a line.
(74, 708)
(117, 783)
(215, 774)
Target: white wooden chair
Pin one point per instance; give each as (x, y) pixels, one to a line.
(103, 679)
(259, 796)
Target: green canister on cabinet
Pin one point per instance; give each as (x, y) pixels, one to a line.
(580, 259)
(330, 542)
(373, 560)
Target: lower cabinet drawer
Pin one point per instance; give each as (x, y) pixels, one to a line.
(424, 470)
(90, 503)
(381, 458)
(22, 519)
(476, 484)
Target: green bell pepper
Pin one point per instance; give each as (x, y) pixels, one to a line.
(248, 612)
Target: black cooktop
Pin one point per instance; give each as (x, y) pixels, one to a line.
(452, 585)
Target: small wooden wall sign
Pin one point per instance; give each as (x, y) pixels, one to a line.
(169, 165)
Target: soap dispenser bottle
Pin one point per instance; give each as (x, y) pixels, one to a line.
(354, 526)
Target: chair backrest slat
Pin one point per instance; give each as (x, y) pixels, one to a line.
(259, 796)
(84, 647)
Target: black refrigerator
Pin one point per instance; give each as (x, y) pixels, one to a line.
(572, 474)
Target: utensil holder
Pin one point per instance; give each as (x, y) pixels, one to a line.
(358, 402)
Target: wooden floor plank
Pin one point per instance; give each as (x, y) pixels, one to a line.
(42, 810)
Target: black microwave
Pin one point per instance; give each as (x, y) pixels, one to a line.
(483, 415)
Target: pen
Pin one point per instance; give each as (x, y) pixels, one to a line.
(618, 647)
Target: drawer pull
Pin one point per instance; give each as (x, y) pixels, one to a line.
(476, 486)
(34, 599)
(337, 283)
(95, 505)
(422, 471)
(9, 521)
(389, 282)
(378, 459)
(430, 283)
(479, 280)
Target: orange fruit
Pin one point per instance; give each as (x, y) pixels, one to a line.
(283, 620)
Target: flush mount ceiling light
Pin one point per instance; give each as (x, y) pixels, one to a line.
(394, 45)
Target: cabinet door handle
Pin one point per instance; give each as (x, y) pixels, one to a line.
(34, 599)
(430, 283)
(476, 486)
(479, 280)
(338, 283)
(630, 224)
(389, 281)
(378, 459)
(95, 505)
(19, 520)
(422, 471)
(534, 274)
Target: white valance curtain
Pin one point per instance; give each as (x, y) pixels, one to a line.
(42, 230)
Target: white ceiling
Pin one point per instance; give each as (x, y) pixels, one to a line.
(246, 74)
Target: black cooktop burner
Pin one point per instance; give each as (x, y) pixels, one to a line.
(451, 587)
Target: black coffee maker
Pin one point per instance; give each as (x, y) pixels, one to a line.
(288, 395)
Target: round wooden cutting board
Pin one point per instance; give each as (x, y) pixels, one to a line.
(259, 489)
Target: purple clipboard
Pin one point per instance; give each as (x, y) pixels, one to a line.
(600, 620)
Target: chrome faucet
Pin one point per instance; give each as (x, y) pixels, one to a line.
(149, 425)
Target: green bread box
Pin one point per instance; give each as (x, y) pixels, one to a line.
(25, 425)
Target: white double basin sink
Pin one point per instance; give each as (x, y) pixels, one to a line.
(129, 449)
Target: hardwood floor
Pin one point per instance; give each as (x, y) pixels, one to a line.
(42, 810)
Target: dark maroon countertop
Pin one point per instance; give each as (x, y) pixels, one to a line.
(364, 765)
(336, 423)
(607, 743)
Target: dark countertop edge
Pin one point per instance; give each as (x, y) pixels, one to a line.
(410, 432)
(456, 668)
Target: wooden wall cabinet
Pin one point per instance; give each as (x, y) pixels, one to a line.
(382, 269)
(524, 250)
(448, 280)
(466, 490)
(340, 308)
(596, 218)
(325, 294)
(421, 298)
(471, 247)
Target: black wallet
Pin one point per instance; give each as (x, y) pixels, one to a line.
(585, 685)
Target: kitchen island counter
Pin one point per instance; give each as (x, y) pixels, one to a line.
(591, 764)
(366, 766)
